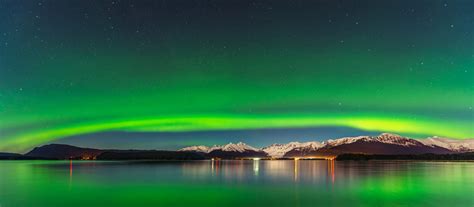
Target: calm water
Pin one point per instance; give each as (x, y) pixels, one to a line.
(236, 183)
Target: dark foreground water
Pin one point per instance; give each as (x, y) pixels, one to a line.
(236, 183)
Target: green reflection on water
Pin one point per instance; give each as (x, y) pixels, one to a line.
(236, 183)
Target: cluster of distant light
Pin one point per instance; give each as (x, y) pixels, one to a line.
(23, 140)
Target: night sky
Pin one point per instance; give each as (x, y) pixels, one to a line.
(156, 74)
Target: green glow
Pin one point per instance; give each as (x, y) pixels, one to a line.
(22, 141)
(199, 72)
(44, 184)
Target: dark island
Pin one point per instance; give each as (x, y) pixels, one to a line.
(458, 156)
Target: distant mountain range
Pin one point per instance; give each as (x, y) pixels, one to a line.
(230, 150)
(384, 144)
(390, 144)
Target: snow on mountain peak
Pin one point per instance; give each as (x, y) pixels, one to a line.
(396, 139)
(198, 148)
(466, 145)
(383, 138)
(344, 140)
(239, 147)
(279, 150)
(231, 147)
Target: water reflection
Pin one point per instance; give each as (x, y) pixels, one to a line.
(70, 173)
(282, 182)
(70, 168)
(331, 172)
(308, 171)
(314, 171)
(296, 169)
(256, 164)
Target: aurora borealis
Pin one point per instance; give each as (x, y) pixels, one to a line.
(80, 67)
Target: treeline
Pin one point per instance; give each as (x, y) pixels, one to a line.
(459, 156)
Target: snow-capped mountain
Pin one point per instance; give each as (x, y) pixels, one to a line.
(396, 139)
(231, 147)
(198, 148)
(274, 150)
(230, 150)
(344, 140)
(279, 150)
(386, 138)
(466, 145)
(382, 144)
(239, 147)
(239, 150)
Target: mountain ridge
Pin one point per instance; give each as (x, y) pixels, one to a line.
(385, 143)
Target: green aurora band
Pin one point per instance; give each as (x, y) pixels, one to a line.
(196, 123)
